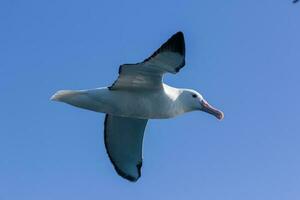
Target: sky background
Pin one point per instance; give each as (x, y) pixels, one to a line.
(242, 56)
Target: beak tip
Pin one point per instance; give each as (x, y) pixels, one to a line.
(220, 115)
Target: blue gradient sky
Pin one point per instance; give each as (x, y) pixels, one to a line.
(243, 56)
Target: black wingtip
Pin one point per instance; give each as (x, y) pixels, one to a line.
(174, 44)
(179, 35)
(126, 176)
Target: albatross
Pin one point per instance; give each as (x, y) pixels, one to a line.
(139, 94)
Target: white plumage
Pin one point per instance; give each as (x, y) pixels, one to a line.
(136, 96)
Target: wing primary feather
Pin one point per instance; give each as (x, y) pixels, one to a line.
(174, 44)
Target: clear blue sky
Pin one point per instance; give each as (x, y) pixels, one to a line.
(243, 56)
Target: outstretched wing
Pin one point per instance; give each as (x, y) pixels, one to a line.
(170, 57)
(123, 138)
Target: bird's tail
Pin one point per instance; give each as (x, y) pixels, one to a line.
(62, 94)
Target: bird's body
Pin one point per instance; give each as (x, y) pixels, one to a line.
(130, 103)
(137, 95)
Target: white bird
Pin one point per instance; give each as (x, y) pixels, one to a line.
(137, 95)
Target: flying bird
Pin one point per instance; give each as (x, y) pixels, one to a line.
(139, 94)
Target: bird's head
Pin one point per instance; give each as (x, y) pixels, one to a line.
(195, 101)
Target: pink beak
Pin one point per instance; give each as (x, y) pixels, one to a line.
(211, 110)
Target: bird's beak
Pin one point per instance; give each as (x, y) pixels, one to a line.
(211, 110)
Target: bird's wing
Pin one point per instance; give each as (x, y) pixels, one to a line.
(170, 57)
(123, 138)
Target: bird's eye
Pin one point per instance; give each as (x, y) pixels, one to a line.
(194, 95)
